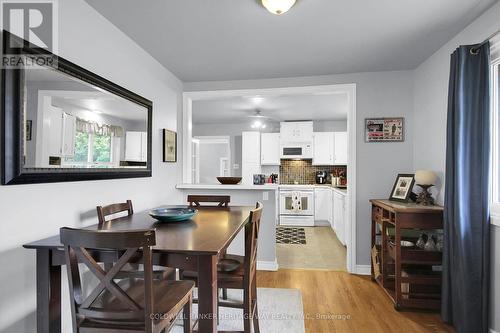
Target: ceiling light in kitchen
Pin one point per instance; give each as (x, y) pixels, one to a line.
(278, 7)
(257, 124)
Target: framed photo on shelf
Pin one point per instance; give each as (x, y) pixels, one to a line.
(384, 129)
(402, 187)
(169, 146)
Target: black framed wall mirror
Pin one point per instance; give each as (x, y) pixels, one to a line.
(61, 122)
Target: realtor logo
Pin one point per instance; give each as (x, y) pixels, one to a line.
(33, 24)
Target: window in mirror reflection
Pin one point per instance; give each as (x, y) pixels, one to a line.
(73, 124)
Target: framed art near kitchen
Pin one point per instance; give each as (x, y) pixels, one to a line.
(384, 129)
(402, 187)
(169, 146)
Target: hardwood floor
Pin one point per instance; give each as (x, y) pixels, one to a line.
(358, 303)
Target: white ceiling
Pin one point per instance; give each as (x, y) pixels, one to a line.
(203, 40)
(278, 108)
(84, 96)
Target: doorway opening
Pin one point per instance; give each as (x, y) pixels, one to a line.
(266, 117)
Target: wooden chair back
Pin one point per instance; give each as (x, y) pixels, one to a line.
(78, 245)
(251, 237)
(197, 200)
(104, 211)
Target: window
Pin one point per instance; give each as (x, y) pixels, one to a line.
(495, 106)
(91, 150)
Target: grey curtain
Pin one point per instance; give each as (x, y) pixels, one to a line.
(466, 217)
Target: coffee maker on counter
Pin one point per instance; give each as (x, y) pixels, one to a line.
(321, 177)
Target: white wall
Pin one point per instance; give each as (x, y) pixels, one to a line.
(330, 126)
(32, 212)
(431, 100)
(378, 95)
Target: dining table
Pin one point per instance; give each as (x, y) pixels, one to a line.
(192, 245)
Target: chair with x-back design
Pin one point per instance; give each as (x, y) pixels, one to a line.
(128, 305)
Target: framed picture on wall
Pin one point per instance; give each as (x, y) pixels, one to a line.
(169, 146)
(384, 129)
(29, 125)
(402, 187)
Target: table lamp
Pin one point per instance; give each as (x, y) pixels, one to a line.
(425, 179)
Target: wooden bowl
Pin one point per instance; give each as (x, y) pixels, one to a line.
(229, 180)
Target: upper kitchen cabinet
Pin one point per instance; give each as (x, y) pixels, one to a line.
(68, 138)
(323, 148)
(340, 148)
(330, 148)
(270, 149)
(136, 149)
(250, 159)
(296, 131)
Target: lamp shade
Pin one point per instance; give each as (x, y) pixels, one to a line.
(425, 177)
(278, 7)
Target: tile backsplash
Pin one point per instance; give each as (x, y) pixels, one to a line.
(303, 172)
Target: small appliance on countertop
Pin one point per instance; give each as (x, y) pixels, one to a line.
(321, 177)
(259, 179)
(273, 178)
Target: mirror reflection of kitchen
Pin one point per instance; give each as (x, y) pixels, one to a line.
(72, 124)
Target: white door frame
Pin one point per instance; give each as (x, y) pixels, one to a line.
(349, 89)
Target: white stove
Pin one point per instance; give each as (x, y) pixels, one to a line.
(297, 205)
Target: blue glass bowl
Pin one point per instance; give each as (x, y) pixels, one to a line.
(172, 214)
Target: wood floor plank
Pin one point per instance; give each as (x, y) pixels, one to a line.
(337, 301)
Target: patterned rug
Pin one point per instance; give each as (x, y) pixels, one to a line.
(290, 235)
(280, 311)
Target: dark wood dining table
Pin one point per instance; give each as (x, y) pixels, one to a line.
(193, 245)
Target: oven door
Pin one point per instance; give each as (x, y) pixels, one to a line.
(297, 203)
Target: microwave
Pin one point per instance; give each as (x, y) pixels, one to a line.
(302, 150)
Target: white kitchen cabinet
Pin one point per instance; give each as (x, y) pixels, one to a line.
(323, 148)
(322, 204)
(53, 129)
(339, 207)
(270, 149)
(136, 146)
(296, 131)
(340, 148)
(68, 137)
(250, 156)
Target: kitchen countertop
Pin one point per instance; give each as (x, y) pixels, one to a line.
(265, 187)
(313, 186)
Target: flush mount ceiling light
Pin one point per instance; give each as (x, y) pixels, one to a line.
(278, 7)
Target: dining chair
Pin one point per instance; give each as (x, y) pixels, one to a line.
(243, 273)
(105, 211)
(132, 270)
(197, 200)
(129, 305)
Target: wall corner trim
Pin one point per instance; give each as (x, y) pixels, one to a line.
(363, 269)
(267, 265)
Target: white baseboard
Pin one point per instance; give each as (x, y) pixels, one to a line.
(363, 269)
(267, 265)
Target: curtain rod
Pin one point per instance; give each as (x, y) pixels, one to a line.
(475, 50)
(491, 36)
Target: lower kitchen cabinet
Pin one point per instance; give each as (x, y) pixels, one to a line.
(339, 216)
(322, 204)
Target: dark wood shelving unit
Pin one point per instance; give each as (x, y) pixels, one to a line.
(406, 274)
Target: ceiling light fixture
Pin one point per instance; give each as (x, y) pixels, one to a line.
(258, 124)
(278, 7)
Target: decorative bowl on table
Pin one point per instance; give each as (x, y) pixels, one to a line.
(172, 214)
(229, 180)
